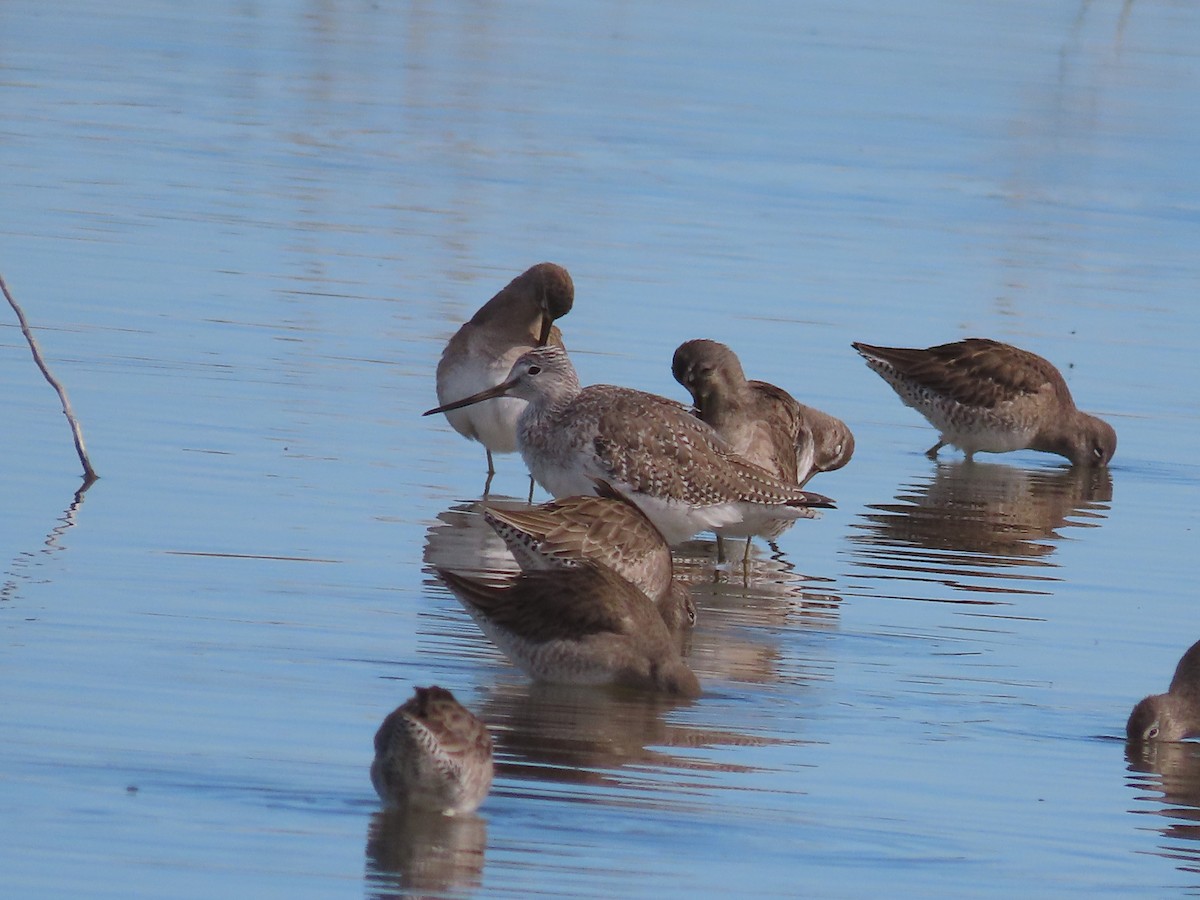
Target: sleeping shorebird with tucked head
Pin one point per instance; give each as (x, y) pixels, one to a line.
(432, 754)
(583, 625)
(761, 422)
(678, 470)
(608, 529)
(985, 396)
(1175, 715)
(482, 352)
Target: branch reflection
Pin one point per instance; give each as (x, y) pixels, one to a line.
(17, 570)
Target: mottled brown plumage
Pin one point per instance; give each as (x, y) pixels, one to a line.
(432, 754)
(761, 422)
(607, 529)
(676, 468)
(482, 352)
(983, 395)
(1175, 715)
(583, 625)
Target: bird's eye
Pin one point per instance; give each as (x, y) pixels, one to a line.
(1151, 732)
(691, 616)
(1098, 452)
(534, 370)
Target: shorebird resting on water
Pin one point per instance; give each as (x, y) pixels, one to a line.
(761, 422)
(432, 754)
(986, 396)
(678, 470)
(482, 352)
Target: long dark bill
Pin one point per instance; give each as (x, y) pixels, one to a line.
(498, 391)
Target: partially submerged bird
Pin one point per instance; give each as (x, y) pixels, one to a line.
(679, 471)
(432, 754)
(583, 625)
(607, 529)
(482, 352)
(1175, 715)
(761, 422)
(986, 396)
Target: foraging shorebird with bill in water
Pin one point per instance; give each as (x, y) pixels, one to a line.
(761, 422)
(608, 529)
(583, 625)
(678, 470)
(1175, 715)
(986, 396)
(482, 352)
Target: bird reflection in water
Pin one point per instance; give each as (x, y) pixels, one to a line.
(414, 853)
(462, 540)
(1166, 777)
(579, 735)
(972, 517)
(736, 634)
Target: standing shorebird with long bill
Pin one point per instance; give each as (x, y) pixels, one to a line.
(985, 396)
(482, 352)
(679, 471)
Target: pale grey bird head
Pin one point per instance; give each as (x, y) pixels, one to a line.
(544, 373)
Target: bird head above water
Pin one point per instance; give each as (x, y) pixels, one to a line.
(1161, 717)
(1175, 715)
(555, 295)
(709, 370)
(533, 301)
(544, 373)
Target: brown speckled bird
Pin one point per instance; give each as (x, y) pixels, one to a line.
(583, 625)
(680, 473)
(761, 422)
(983, 395)
(1174, 715)
(607, 529)
(432, 754)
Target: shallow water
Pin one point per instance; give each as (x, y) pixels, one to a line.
(244, 232)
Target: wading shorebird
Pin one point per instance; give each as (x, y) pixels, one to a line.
(985, 396)
(432, 754)
(1174, 715)
(583, 625)
(608, 529)
(678, 470)
(482, 352)
(761, 422)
